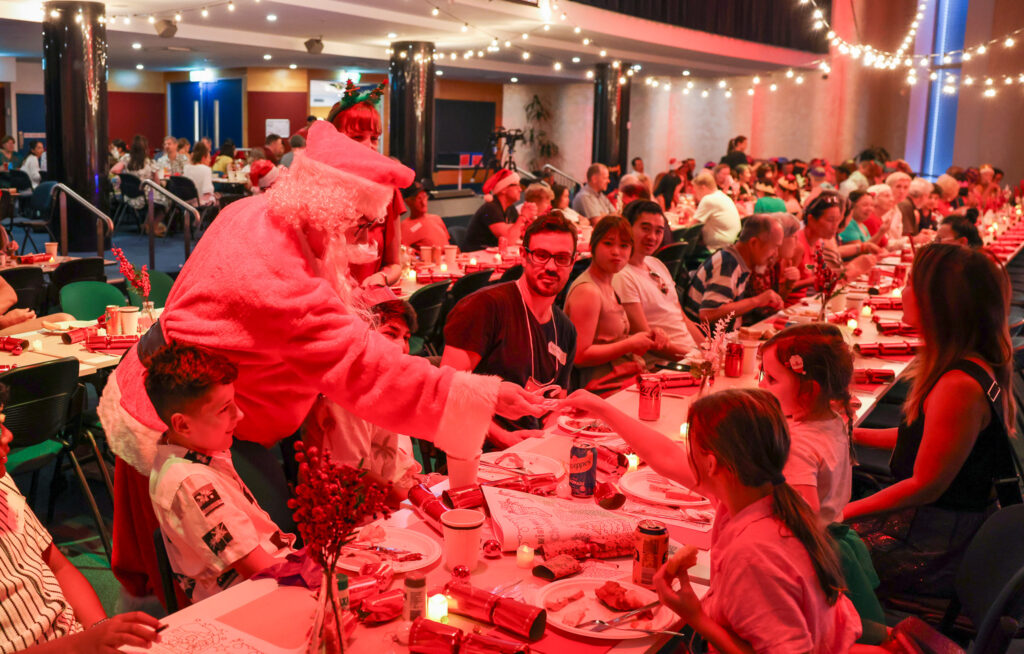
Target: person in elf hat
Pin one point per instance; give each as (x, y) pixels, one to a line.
(262, 174)
(378, 261)
(497, 217)
(268, 287)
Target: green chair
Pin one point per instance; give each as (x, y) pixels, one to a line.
(88, 300)
(159, 288)
(44, 415)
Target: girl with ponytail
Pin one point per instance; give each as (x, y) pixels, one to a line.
(776, 583)
(809, 368)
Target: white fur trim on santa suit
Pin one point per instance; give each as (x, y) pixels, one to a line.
(467, 414)
(128, 438)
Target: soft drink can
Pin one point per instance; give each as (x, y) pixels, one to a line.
(733, 359)
(899, 275)
(650, 397)
(874, 277)
(113, 320)
(650, 551)
(582, 468)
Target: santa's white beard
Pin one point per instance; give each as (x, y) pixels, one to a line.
(360, 253)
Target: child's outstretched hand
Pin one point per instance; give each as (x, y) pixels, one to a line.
(581, 400)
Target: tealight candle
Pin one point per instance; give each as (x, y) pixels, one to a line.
(444, 267)
(437, 608)
(497, 258)
(634, 462)
(472, 261)
(412, 274)
(852, 323)
(897, 292)
(524, 556)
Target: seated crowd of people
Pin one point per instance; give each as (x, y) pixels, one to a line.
(775, 461)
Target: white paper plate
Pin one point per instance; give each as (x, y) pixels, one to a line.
(401, 539)
(638, 484)
(595, 610)
(573, 425)
(67, 325)
(533, 463)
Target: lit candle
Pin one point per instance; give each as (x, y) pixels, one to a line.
(437, 608)
(897, 292)
(865, 311)
(472, 261)
(864, 318)
(524, 556)
(412, 274)
(852, 323)
(634, 462)
(444, 267)
(497, 258)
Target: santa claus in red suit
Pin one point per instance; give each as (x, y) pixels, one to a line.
(268, 287)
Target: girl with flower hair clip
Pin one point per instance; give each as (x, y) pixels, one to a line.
(809, 368)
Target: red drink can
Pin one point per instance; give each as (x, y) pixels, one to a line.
(113, 320)
(874, 277)
(582, 468)
(650, 551)
(733, 359)
(650, 397)
(899, 275)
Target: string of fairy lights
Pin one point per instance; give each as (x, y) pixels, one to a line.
(553, 15)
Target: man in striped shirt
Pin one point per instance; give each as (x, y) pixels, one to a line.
(716, 289)
(46, 601)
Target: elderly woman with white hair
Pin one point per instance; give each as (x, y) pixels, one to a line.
(887, 217)
(910, 210)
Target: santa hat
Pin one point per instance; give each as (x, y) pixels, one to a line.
(335, 181)
(263, 173)
(498, 182)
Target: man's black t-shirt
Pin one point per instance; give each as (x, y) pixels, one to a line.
(479, 235)
(667, 187)
(495, 323)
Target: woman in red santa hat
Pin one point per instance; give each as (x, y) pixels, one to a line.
(268, 287)
(377, 262)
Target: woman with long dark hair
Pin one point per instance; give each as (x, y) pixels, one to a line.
(953, 441)
(776, 582)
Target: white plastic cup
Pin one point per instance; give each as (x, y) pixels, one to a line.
(461, 529)
(749, 356)
(427, 254)
(451, 252)
(854, 301)
(51, 248)
(129, 319)
(462, 472)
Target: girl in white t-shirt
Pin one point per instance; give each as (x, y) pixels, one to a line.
(809, 369)
(775, 578)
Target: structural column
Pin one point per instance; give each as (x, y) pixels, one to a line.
(75, 83)
(411, 78)
(611, 115)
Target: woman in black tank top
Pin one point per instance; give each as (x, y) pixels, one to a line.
(952, 443)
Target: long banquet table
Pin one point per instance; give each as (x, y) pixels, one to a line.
(261, 616)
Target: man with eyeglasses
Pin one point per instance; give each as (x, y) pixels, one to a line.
(514, 331)
(646, 288)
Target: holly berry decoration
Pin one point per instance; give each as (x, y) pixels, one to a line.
(330, 502)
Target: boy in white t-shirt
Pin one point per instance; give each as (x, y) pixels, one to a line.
(47, 604)
(646, 288)
(215, 533)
